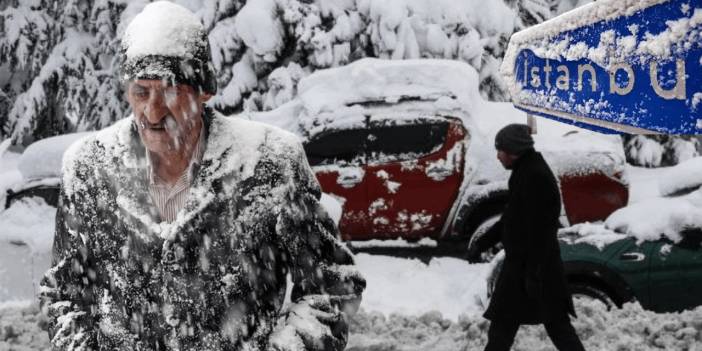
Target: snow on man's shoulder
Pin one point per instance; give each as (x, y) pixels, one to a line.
(276, 139)
(76, 157)
(87, 153)
(249, 142)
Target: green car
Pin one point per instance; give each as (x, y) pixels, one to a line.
(658, 262)
(663, 276)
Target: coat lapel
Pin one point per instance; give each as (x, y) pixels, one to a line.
(126, 155)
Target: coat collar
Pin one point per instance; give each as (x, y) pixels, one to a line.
(223, 156)
(523, 158)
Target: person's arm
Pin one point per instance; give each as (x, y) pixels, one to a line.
(327, 287)
(65, 292)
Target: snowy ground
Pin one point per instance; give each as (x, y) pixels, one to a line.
(630, 328)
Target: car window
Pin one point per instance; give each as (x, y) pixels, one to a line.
(336, 146)
(389, 143)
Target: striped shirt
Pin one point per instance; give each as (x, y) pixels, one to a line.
(170, 199)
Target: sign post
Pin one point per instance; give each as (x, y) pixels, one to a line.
(632, 66)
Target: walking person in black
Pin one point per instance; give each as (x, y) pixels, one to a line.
(531, 288)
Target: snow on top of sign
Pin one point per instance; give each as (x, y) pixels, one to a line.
(660, 45)
(579, 17)
(616, 48)
(163, 28)
(582, 16)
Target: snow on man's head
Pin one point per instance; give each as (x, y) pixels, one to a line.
(167, 41)
(163, 28)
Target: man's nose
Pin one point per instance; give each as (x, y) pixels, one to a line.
(155, 108)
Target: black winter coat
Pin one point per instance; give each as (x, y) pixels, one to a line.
(531, 287)
(215, 278)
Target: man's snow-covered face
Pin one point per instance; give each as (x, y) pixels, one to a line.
(168, 116)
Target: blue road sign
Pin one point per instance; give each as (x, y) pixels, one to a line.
(630, 66)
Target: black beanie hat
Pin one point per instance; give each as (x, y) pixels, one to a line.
(167, 42)
(514, 139)
(197, 72)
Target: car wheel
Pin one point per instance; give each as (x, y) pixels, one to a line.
(593, 293)
(480, 231)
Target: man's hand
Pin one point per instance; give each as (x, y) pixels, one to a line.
(312, 323)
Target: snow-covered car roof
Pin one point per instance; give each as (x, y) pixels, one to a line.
(340, 97)
(43, 158)
(371, 79)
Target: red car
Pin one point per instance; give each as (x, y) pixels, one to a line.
(404, 180)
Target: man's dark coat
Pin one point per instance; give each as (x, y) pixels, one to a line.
(531, 287)
(215, 278)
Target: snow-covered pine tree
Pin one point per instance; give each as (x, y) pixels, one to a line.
(60, 67)
(313, 35)
(28, 34)
(273, 43)
(660, 150)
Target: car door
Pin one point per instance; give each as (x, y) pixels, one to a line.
(632, 262)
(337, 158)
(676, 273)
(414, 172)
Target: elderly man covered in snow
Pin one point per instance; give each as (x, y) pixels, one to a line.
(180, 229)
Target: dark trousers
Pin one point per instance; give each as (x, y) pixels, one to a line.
(501, 336)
